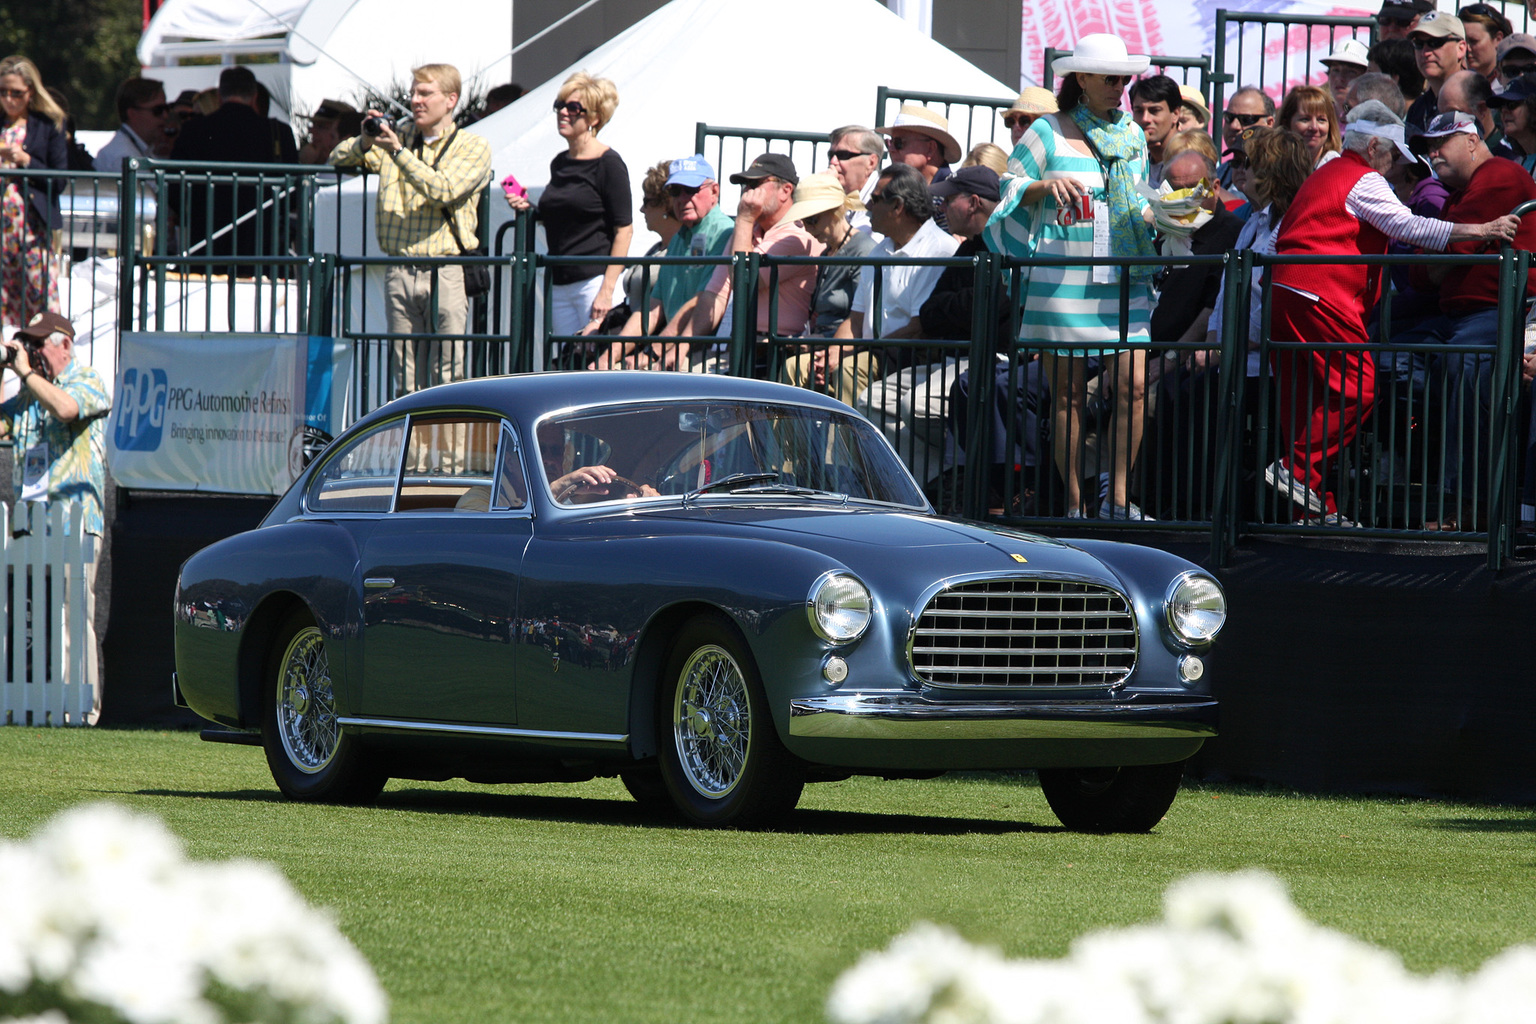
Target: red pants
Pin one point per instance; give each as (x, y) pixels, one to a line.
(1323, 396)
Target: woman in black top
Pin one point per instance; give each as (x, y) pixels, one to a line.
(586, 208)
(31, 137)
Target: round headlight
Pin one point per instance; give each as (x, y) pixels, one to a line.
(1197, 608)
(839, 607)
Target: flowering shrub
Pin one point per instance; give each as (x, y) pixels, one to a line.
(103, 921)
(1231, 949)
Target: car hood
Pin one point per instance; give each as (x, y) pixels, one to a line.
(875, 541)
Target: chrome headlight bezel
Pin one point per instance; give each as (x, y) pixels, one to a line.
(1192, 601)
(839, 607)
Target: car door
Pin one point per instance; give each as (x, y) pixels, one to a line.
(439, 576)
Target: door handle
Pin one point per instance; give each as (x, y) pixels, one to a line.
(378, 582)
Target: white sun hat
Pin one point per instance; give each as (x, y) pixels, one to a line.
(1349, 51)
(1101, 54)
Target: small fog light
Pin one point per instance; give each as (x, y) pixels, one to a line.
(834, 670)
(1191, 668)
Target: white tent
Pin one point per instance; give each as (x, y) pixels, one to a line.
(322, 49)
(797, 65)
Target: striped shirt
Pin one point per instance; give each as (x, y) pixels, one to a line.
(1062, 304)
(413, 194)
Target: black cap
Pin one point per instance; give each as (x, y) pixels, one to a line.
(1405, 9)
(769, 165)
(973, 181)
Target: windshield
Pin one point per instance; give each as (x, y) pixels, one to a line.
(709, 449)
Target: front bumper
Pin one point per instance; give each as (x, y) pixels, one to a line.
(893, 716)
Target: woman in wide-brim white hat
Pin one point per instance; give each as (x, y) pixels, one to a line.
(1070, 169)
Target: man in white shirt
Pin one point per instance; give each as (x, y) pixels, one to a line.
(142, 112)
(901, 209)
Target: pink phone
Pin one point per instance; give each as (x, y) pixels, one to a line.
(512, 187)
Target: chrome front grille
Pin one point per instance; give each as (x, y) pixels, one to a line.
(1025, 632)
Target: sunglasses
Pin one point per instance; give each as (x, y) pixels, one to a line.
(1246, 120)
(877, 197)
(158, 110)
(1014, 120)
(14, 94)
(572, 107)
(1516, 70)
(1485, 11)
(1430, 43)
(900, 143)
(844, 155)
(1239, 161)
(682, 191)
(1121, 80)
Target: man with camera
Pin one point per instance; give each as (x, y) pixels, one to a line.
(431, 175)
(57, 423)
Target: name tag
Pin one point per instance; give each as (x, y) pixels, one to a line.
(34, 473)
(1101, 275)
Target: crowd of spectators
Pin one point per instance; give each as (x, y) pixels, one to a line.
(1418, 143)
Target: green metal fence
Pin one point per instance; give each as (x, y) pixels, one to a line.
(1249, 43)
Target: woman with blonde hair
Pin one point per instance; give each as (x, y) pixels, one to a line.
(32, 136)
(586, 208)
(989, 155)
(1309, 111)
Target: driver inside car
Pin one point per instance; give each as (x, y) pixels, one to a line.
(582, 484)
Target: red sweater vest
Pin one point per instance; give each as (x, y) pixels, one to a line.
(1317, 224)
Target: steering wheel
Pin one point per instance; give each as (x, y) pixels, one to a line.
(623, 483)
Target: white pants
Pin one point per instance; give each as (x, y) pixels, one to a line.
(570, 305)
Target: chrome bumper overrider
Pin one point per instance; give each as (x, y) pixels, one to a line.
(867, 716)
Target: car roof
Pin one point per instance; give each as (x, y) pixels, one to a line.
(533, 394)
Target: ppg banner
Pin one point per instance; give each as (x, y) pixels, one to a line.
(209, 412)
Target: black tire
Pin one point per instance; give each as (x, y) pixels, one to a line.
(309, 756)
(721, 757)
(1131, 799)
(645, 785)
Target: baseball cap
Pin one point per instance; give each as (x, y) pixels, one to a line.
(1439, 25)
(690, 171)
(43, 325)
(333, 108)
(973, 181)
(1517, 41)
(1349, 51)
(1405, 10)
(769, 165)
(1452, 122)
(1517, 91)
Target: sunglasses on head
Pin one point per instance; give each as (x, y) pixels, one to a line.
(572, 107)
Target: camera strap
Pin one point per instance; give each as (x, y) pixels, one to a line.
(453, 227)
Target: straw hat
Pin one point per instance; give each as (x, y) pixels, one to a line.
(1101, 54)
(917, 118)
(1033, 100)
(820, 192)
(1190, 97)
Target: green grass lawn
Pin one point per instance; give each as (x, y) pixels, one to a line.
(567, 904)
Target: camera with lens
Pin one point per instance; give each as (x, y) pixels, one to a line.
(374, 126)
(8, 354)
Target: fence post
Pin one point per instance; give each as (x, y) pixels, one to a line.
(1514, 270)
(127, 241)
(1238, 276)
(520, 302)
(744, 274)
(982, 392)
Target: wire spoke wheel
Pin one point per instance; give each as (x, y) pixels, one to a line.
(306, 706)
(310, 757)
(721, 761)
(712, 722)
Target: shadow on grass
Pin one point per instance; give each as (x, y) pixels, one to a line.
(596, 811)
(1505, 825)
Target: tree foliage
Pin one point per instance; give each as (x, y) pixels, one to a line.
(84, 48)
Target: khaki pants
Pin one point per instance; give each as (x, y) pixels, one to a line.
(852, 375)
(422, 362)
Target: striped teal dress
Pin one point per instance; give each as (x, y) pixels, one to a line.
(1062, 305)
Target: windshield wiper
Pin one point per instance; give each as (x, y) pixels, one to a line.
(787, 489)
(734, 479)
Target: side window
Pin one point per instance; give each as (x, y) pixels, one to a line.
(361, 478)
(450, 464)
(511, 484)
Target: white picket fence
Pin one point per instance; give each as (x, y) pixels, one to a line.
(47, 648)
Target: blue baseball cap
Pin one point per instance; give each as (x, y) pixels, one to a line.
(690, 171)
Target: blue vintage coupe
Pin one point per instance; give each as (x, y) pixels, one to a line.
(717, 589)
